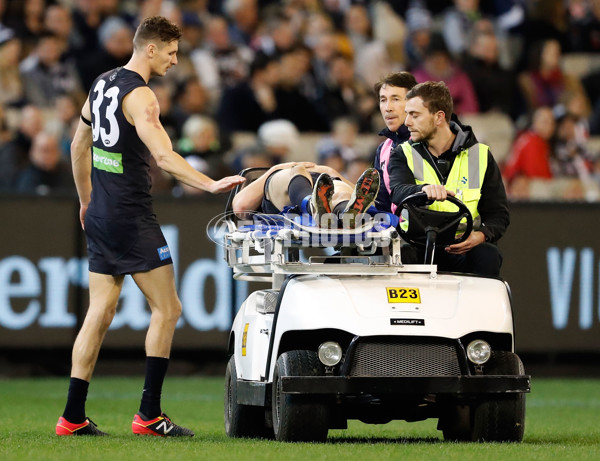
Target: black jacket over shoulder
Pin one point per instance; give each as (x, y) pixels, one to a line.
(493, 204)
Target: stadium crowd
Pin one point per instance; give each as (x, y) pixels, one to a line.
(283, 71)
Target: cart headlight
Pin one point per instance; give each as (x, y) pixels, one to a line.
(330, 353)
(479, 351)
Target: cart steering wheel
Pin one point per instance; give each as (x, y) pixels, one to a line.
(432, 228)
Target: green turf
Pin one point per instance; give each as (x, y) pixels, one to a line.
(563, 423)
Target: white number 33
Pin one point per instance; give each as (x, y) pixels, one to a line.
(111, 137)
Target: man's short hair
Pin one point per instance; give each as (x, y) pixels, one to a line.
(435, 95)
(155, 28)
(399, 79)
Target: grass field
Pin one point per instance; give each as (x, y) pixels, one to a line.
(563, 423)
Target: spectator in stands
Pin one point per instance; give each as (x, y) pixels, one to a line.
(64, 122)
(278, 33)
(45, 76)
(458, 21)
(247, 105)
(191, 98)
(276, 140)
(243, 17)
(495, 87)
(329, 154)
(439, 65)
(165, 97)
(14, 155)
(570, 157)
(58, 20)
(292, 103)
(47, 172)
(355, 168)
(28, 23)
(201, 148)
(347, 95)
(584, 26)
(531, 152)
(115, 37)
(358, 27)
(11, 86)
(344, 135)
(218, 63)
(419, 24)
(378, 44)
(545, 82)
(544, 20)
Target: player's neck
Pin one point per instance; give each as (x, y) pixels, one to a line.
(138, 65)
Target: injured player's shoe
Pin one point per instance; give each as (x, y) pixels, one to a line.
(320, 202)
(364, 195)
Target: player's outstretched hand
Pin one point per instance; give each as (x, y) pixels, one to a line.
(225, 184)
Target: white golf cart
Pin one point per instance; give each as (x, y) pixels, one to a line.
(359, 335)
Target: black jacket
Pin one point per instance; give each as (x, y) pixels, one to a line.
(493, 205)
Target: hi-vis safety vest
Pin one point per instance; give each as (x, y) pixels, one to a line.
(465, 177)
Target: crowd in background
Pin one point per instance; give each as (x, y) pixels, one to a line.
(284, 69)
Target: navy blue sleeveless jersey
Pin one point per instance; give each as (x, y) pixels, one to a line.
(120, 160)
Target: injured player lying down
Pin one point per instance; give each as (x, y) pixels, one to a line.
(309, 188)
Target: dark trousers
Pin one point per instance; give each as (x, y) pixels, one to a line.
(484, 259)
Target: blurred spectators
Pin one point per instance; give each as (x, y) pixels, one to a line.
(276, 140)
(47, 172)
(544, 20)
(379, 45)
(347, 95)
(355, 168)
(358, 27)
(14, 154)
(277, 33)
(218, 63)
(311, 62)
(531, 154)
(570, 157)
(191, 98)
(66, 116)
(200, 146)
(246, 106)
(292, 104)
(26, 18)
(545, 82)
(584, 27)
(458, 25)
(419, 24)
(11, 86)
(495, 87)
(116, 41)
(45, 76)
(341, 142)
(243, 17)
(439, 65)
(58, 20)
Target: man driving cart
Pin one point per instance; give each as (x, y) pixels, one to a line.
(443, 158)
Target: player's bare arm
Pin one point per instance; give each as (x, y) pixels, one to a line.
(142, 110)
(81, 162)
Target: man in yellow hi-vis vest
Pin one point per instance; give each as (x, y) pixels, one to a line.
(443, 157)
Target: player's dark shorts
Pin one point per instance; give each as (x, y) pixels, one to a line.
(125, 245)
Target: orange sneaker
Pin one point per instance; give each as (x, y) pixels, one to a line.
(88, 427)
(364, 195)
(320, 202)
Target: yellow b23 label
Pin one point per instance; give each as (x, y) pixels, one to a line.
(403, 295)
